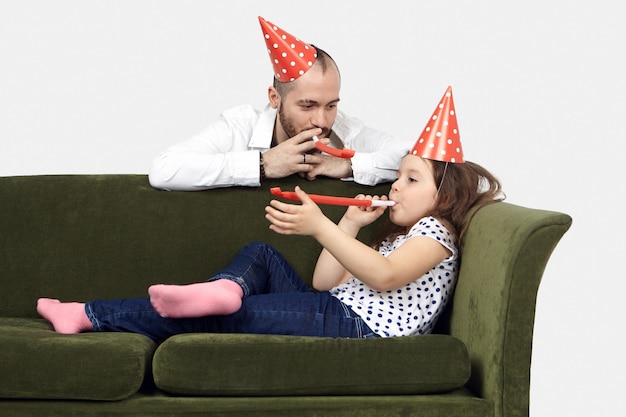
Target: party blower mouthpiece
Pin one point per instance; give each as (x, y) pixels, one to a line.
(331, 200)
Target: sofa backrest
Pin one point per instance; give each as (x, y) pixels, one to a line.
(79, 237)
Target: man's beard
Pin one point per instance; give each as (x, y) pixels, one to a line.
(289, 128)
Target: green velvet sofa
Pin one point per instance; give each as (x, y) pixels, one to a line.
(79, 237)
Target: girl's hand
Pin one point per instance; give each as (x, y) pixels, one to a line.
(295, 219)
(362, 216)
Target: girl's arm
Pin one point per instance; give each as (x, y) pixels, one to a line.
(413, 259)
(328, 271)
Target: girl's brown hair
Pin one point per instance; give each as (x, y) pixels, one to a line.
(461, 188)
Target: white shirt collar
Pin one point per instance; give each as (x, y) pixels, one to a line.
(264, 129)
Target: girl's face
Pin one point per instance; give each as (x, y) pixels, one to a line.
(414, 191)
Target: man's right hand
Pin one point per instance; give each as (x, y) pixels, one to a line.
(292, 156)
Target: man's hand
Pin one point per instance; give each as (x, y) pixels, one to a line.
(329, 166)
(298, 155)
(289, 157)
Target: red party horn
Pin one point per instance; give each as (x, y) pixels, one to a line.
(335, 201)
(339, 153)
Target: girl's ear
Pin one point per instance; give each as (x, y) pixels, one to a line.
(440, 200)
(273, 97)
(435, 203)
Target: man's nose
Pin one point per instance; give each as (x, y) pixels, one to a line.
(320, 118)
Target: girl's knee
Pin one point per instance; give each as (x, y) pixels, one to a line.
(259, 247)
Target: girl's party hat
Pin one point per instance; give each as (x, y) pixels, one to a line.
(440, 140)
(290, 56)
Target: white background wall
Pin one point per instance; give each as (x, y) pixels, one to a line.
(102, 86)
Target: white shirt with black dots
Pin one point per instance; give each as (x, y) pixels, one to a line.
(414, 308)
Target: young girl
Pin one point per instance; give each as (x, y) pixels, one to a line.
(398, 287)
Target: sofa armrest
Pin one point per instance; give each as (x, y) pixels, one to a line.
(503, 258)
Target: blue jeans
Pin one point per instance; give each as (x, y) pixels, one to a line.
(275, 301)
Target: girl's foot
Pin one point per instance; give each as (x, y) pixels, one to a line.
(213, 298)
(66, 318)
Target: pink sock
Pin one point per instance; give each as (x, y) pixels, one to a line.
(66, 318)
(219, 297)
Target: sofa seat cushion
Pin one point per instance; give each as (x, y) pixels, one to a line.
(37, 363)
(265, 365)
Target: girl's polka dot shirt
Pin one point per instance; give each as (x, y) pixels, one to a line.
(414, 308)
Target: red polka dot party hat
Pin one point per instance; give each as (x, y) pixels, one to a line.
(440, 140)
(290, 56)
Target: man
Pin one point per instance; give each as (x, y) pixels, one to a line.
(245, 146)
